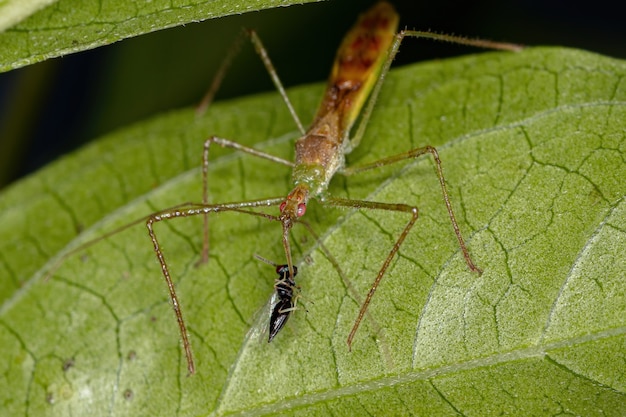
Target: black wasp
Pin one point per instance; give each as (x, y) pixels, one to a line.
(286, 293)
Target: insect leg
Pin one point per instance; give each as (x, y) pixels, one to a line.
(374, 205)
(393, 51)
(208, 99)
(224, 143)
(188, 211)
(412, 154)
(379, 331)
(269, 66)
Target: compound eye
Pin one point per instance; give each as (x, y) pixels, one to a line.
(301, 209)
(282, 206)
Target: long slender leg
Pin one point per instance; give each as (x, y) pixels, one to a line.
(479, 43)
(206, 208)
(233, 51)
(208, 98)
(374, 205)
(81, 247)
(224, 143)
(356, 139)
(262, 51)
(188, 211)
(415, 153)
(269, 66)
(378, 329)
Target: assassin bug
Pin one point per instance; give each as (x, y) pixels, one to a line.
(362, 61)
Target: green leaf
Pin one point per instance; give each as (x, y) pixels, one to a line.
(533, 149)
(69, 26)
(14, 11)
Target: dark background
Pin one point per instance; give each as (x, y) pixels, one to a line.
(53, 107)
